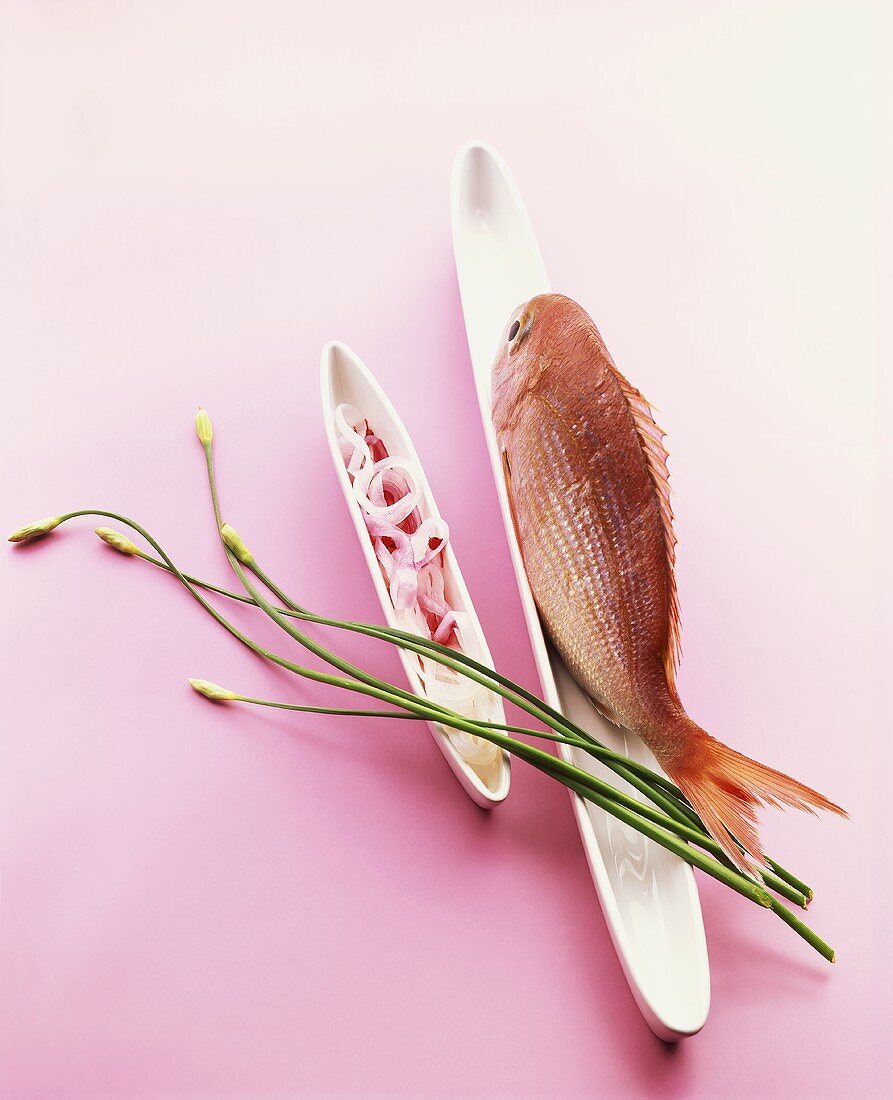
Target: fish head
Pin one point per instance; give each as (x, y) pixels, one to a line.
(537, 332)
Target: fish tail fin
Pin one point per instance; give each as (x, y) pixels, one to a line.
(726, 788)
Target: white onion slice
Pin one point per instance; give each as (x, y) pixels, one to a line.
(354, 449)
(409, 550)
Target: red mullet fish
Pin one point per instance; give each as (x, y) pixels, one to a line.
(586, 472)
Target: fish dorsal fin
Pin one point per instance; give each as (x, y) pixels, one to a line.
(656, 455)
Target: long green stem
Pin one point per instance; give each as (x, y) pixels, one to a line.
(802, 929)
(791, 879)
(623, 807)
(379, 714)
(683, 814)
(326, 710)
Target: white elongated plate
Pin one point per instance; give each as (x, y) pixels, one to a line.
(648, 895)
(346, 379)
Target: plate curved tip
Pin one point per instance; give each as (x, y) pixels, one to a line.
(476, 146)
(327, 357)
(488, 791)
(466, 148)
(332, 350)
(470, 161)
(335, 356)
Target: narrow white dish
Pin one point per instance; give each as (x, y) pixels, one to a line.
(648, 895)
(346, 379)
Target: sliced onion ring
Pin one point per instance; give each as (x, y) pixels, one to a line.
(409, 550)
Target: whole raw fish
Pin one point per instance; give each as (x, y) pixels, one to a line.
(586, 471)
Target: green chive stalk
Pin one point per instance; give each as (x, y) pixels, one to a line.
(672, 822)
(781, 880)
(621, 806)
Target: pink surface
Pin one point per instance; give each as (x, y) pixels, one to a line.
(217, 902)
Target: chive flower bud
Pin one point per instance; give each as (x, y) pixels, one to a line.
(117, 541)
(35, 530)
(233, 540)
(203, 427)
(212, 691)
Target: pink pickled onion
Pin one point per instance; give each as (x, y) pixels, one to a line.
(410, 550)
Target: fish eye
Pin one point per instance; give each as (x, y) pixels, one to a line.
(515, 329)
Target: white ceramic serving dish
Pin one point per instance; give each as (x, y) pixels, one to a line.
(346, 379)
(648, 895)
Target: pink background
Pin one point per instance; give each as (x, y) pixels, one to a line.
(195, 196)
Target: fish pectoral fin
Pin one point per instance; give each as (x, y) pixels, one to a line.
(507, 476)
